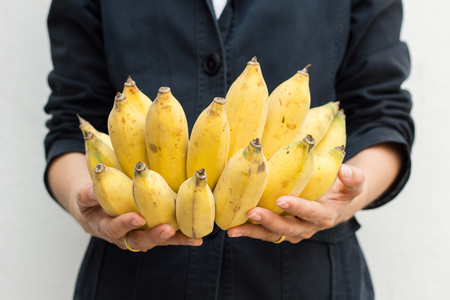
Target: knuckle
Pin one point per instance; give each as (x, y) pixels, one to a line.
(295, 240)
(308, 235)
(285, 230)
(109, 231)
(113, 232)
(312, 213)
(326, 223)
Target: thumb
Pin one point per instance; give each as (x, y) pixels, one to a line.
(86, 196)
(350, 176)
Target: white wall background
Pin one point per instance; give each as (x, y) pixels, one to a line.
(407, 242)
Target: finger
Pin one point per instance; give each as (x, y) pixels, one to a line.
(273, 226)
(350, 176)
(161, 235)
(253, 231)
(86, 197)
(118, 227)
(310, 211)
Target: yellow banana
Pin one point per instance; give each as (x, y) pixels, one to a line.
(326, 168)
(112, 189)
(153, 197)
(85, 125)
(290, 170)
(317, 121)
(240, 185)
(195, 208)
(247, 106)
(288, 105)
(209, 142)
(97, 151)
(335, 136)
(135, 96)
(126, 126)
(166, 134)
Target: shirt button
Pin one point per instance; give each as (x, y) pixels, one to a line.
(212, 64)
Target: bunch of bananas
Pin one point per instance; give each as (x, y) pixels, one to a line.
(148, 163)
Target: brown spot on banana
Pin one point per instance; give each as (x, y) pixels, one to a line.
(154, 148)
(261, 167)
(291, 126)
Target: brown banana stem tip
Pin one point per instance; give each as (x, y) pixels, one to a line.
(341, 148)
(120, 96)
(256, 143)
(219, 100)
(305, 70)
(99, 168)
(200, 174)
(164, 90)
(310, 141)
(338, 103)
(87, 135)
(81, 120)
(130, 82)
(140, 166)
(254, 61)
(342, 112)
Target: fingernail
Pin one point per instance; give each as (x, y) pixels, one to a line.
(283, 204)
(346, 171)
(138, 222)
(234, 235)
(255, 217)
(166, 234)
(92, 194)
(194, 242)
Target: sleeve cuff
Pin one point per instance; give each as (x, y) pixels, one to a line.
(59, 148)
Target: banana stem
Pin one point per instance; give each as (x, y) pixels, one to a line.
(164, 90)
(341, 148)
(140, 167)
(81, 120)
(305, 70)
(256, 143)
(130, 82)
(99, 168)
(254, 61)
(200, 174)
(219, 100)
(88, 135)
(310, 141)
(120, 97)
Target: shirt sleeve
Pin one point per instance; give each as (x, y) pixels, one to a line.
(79, 80)
(369, 85)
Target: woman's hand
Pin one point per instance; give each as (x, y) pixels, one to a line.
(310, 217)
(360, 181)
(97, 222)
(73, 190)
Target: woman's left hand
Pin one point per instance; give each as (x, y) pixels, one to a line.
(334, 207)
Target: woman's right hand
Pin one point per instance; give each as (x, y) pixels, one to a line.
(97, 222)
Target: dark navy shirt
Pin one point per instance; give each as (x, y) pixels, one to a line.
(357, 58)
